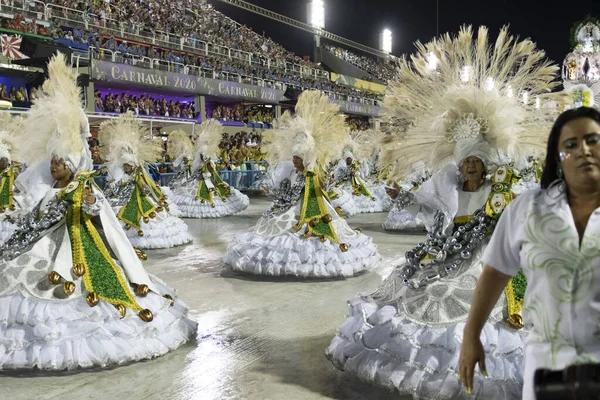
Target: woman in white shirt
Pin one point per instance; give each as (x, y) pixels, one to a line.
(553, 234)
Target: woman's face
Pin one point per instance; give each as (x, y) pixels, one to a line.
(298, 163)
(579, 152)
(4, 163)
(59, 170)
(473, 168)
(128, 168)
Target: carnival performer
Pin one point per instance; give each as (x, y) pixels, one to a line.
(301, 234)
(136, 199)
(205, 194)
(405, 212)
(11, 129)
(351, 193)
(408, 333)
(268, 182)
(73, 293)
(181, 150)
(553, 235)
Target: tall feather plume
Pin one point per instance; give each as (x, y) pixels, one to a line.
(207, 137)
(276, 144)
(427, 102)
(180, 144)
(56, 123)
(316, 132)
(365, 143)
(127, 140)
(11, 134)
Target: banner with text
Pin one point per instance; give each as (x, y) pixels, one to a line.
(125, 74)
(183, 83)
(358, 108)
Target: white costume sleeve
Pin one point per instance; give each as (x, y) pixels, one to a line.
(503, 251)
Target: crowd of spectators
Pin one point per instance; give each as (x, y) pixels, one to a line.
(18, 23)
(14, 94)
(241, 113)
(194, 21)
(240, 147)
(143, 105)
(382, 70)
(357, 123)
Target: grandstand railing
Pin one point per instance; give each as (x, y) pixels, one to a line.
(68, 17)
(83, 20)
(163, 65)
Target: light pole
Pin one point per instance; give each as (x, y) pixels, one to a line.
(316, 17)
(386, 41)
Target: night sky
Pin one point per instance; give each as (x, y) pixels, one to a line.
(546, 22)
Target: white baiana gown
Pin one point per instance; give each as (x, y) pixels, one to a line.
(43, 327)
(278, 246)
(353, 195)
(161, 229)
(408, 337)
(203, 194)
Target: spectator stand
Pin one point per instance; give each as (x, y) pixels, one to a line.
(257, 62)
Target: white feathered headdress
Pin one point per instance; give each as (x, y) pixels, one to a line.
(11, 128)
(463, 96)
(207, 137)
(364, 144)
(316, 133)
(56, 125)
(180, 145)
(126, 140)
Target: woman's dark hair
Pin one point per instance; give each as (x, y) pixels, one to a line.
(550, 173)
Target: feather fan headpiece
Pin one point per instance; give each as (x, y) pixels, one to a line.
(364, 144)
(316, 133)
(56, 125)
(126, 140)
(180, 144)
(207, 137)
(11, 128)
(461, 95)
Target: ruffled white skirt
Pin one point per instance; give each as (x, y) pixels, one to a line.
(6, 230)
(382, 346)
(173, 208)
(162, 232)
(59, 334)
(345, 201)
(381, 195)
(413, 344)
(400, 220)
(358, 204)
(185, 199)
(273, 248)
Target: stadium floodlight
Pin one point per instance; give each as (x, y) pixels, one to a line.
(316, 14)
(386, 41)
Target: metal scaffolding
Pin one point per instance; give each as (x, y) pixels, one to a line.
(305, 27)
